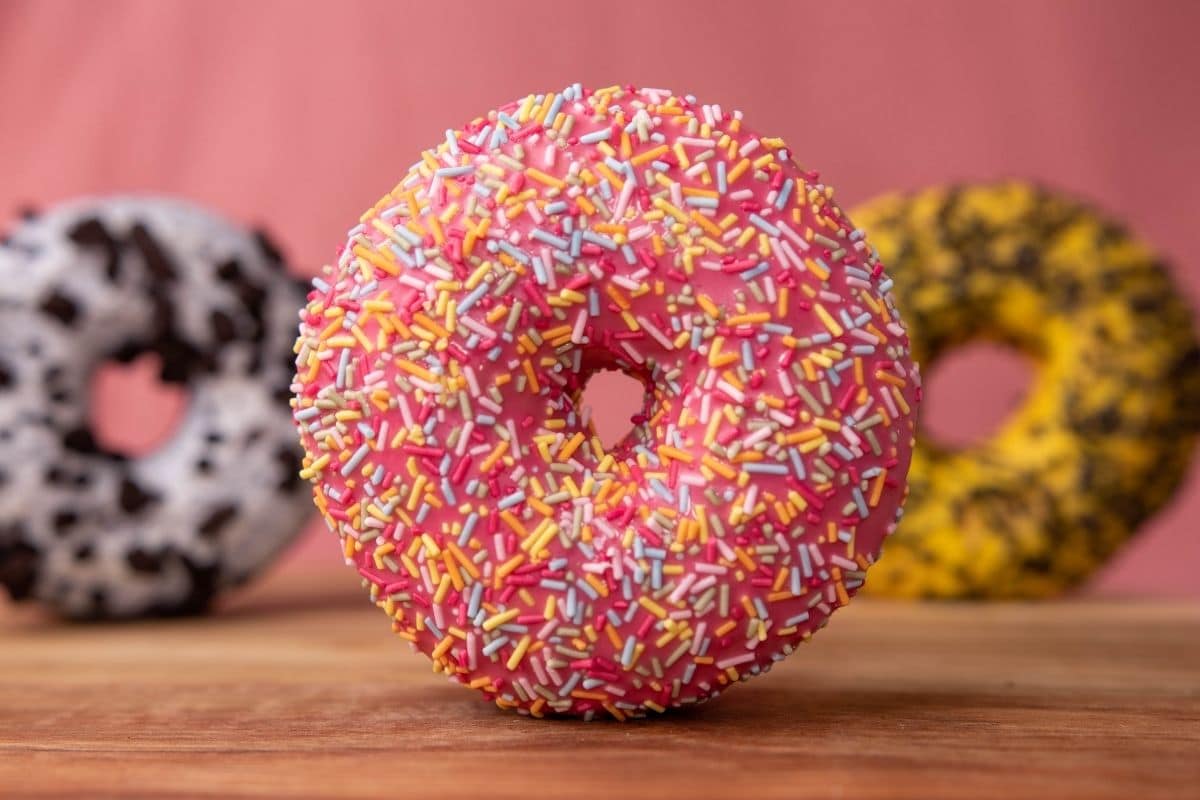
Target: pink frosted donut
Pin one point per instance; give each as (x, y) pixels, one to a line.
(439, 372)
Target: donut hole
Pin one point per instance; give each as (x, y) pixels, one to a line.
(972, 391)
(613, 399)
(132, 411)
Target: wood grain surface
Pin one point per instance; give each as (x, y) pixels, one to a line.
(297, 689)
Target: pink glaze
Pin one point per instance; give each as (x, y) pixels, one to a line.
(440, 364)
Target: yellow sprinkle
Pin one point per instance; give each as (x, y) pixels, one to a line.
(518, 652)
(542, 177)
(738, 170)
(649, 155)
(666, 451)
(828, 320)
(497, 452)
(718, 467)
(570, 447)
(653, 607)
(749, 319)
(496, 620)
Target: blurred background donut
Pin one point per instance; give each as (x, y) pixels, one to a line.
(96, 532)
(1106, 431)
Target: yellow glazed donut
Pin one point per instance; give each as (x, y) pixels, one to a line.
(1106, 433)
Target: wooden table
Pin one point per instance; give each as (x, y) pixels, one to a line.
(298, 690)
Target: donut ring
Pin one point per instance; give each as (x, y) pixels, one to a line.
(92, 533)
(440, 368)
(1106, 433)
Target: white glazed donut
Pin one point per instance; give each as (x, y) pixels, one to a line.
(93, 533)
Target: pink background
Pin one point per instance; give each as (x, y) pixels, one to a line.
(300, 115)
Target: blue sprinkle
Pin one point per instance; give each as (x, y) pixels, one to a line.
(555, 105)
(661, 490)
(434, 628)
(454, 172)
(754, 272)
(476, 598)
(599, 239)
(627, 652)
(796, 620)
(355, 460)
(549, 238)
(615, 165)
(407, 235)
(747, 355)
(761, 608)
(859, 501)
(784, 194)
(468, 528)
(765, 469)
(763, 225)
(569, 686)
(515, 252)
(474, 297)
(496, 644)
(510, 501)
(596, 136)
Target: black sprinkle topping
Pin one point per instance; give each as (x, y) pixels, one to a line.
(134, 498)
(158, 261)
(19, 563)
(63, 520)
(62, 308)
(221, 516)
(91, 232)
(142, 560)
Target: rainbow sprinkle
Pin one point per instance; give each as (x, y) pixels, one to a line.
(439, 371)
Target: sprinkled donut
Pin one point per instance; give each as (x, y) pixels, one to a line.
(1107, 430)
(441, 363)
(93, 533)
